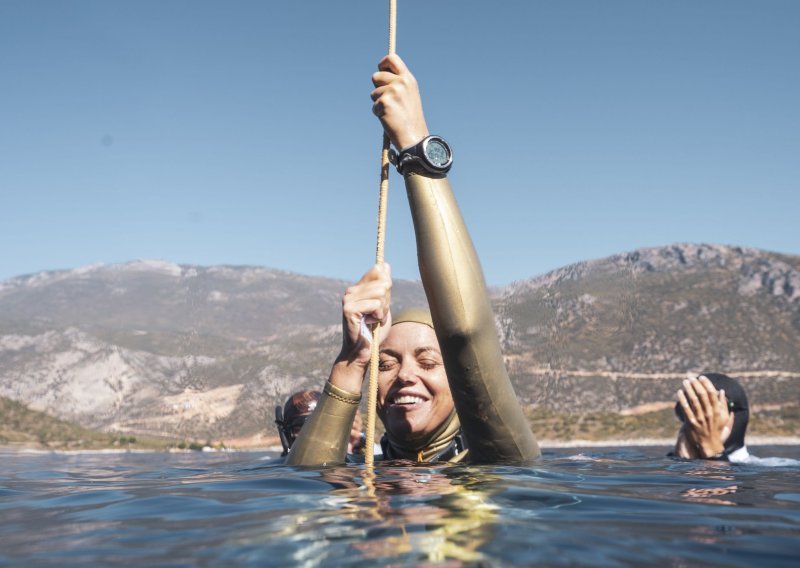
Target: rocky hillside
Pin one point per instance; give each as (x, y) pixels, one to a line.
(206, 352)
(622, 331)
(166, 350)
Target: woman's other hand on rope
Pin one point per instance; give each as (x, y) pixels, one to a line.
(364, 303)
(397, 103)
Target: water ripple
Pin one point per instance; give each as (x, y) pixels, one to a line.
(600, 507)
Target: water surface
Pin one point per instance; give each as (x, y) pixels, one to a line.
(605, 507)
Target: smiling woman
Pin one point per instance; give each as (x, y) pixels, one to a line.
(443, 389)
(413, 394)
(414, 398)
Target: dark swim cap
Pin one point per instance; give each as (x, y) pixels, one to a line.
(300, 404)
(737, 403)
(291, 418)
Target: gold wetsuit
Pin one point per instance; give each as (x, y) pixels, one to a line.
(492, 420)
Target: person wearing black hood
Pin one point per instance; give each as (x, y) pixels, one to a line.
(714, 412)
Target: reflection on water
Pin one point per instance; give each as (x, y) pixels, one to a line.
(600, 507)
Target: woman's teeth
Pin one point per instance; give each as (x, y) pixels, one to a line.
(407, 399)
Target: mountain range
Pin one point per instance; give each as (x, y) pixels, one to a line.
(156, 348)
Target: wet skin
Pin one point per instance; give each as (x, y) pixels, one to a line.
(413, 393)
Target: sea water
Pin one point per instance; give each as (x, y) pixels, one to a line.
(601, 507)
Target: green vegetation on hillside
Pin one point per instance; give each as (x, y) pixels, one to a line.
(783, 421)
(597, 426)
(19, 425)
(609, 426)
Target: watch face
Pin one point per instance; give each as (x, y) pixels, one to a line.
(437, 152)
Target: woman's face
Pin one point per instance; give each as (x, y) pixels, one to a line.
(413, 394)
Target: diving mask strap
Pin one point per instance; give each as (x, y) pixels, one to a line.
(281, 429)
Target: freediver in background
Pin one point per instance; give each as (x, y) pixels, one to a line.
(443, 390)
(293, 415)
(714, 413)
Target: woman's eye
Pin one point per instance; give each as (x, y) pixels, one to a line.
(386, 365)
(428, 363)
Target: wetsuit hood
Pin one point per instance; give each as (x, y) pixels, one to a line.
(414, 315)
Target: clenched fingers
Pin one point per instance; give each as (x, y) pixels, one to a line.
(369, 299)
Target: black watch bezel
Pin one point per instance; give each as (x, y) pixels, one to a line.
(418, 153)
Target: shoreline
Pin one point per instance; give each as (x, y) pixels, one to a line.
(752, 442)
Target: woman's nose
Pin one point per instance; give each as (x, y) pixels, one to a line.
(407, 373)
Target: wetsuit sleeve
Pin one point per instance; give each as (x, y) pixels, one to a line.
(491, 418)
(324, 437)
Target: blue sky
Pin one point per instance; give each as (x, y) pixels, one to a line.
(240, 132)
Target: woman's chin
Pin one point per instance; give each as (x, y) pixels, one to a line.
(401, 428)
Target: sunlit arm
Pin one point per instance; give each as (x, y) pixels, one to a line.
(492, 420)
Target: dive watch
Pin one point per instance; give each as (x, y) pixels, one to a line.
(433, 153)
